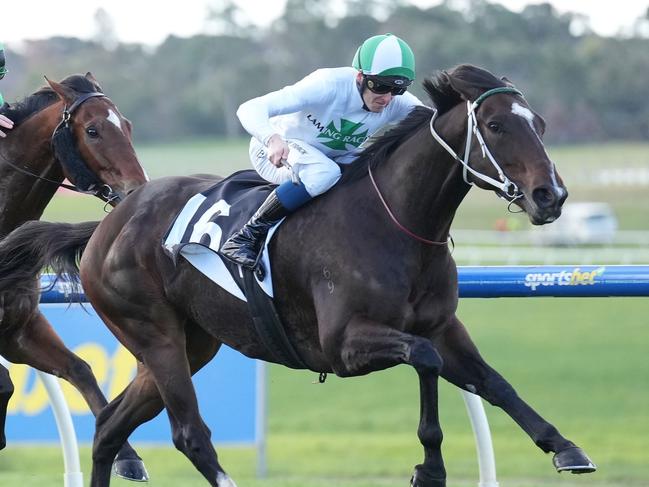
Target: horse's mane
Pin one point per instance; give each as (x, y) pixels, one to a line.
(443, 96)
(21, 110)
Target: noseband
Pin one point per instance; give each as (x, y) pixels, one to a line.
(506, 185)
(66, 152)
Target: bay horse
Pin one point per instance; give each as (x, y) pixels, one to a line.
(364, 278)
(67, 130)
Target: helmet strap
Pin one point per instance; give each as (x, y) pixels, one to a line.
(362, 85)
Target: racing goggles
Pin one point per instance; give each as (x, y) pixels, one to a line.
(382, 85)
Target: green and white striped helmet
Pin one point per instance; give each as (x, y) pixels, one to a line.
(385, 55)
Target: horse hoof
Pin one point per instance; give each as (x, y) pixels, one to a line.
(573, 460)
(422, 478)
(131, 469)
(223, 480)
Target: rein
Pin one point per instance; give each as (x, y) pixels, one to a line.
(63, 143)
(505, 184)
(394, 218)
(105, 192)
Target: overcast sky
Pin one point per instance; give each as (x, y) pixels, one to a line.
(151, 21)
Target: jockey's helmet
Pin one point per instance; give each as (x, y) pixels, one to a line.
(386, 56)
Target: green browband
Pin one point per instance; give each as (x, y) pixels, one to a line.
(494, 91)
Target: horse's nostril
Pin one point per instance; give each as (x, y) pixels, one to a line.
(543, 197)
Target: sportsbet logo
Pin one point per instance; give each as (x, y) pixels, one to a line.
(564, 278)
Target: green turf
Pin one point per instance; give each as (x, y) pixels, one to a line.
(480, 210)
(220, 157)
(581, 363)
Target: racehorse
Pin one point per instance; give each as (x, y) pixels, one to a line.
(364, 277)
(68, 130)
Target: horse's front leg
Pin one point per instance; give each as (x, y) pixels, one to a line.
(368, 346)
(464, 367)
(35, 343)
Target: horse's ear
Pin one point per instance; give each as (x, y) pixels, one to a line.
(444, 77)
(92, 79)
(507, 82)
(466, 90)
(66, 94)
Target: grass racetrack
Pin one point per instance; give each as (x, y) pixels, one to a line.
(581, 363)
(578, 165)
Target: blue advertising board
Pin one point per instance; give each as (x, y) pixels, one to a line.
(557, 281)
(227, 387)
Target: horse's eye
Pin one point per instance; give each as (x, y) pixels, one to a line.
(92, 132)
(495, 127)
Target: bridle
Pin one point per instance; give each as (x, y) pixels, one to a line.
(506, 185)
(66, 152)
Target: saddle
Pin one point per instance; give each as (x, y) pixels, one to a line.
(206, 221)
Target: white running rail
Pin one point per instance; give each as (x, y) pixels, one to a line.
(483, 443)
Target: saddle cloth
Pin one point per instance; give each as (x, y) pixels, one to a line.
(209, 218)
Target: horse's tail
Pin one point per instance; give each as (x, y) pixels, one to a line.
(35, 245)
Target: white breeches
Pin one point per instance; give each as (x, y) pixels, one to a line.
(317, 172)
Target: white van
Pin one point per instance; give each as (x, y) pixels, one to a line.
(584, 223)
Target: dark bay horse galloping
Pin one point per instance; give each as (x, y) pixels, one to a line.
(66, 130)
(364, 279)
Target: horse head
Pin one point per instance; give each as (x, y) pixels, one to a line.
(504, 139)
(93, 142)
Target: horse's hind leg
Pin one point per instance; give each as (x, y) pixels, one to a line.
(464, 367)
(6, 390)
(168, 364)
(36, 344)
(141, 401)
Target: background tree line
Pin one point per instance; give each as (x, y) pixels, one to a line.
(588, 87)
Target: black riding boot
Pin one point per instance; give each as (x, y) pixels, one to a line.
(244, 246)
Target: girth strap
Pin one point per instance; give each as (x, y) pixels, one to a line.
(268, 324)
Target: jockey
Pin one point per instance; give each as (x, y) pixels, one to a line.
(4, 121)
(302, 133)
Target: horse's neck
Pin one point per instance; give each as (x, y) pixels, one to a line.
(24, 197)
(423, 184)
